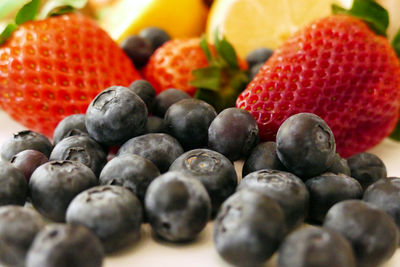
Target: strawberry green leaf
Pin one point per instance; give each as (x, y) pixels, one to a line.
(27, 12)
(208, 77)
(8, 30)
(225, 50)
(58, 7)
(396, 43)
(8, 8)
(205, 48)
(369, 11)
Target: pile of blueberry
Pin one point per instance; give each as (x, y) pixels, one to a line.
(116, 167)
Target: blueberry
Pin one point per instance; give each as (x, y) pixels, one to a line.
(284, 188)
(263, 156)
(145, 91)
(82, 149)
(233, 133)
(177, 206)
(27, 161)
(18, 228)
(25, 140)
(70, 126)
(130, 171)
(156, 36)
(339, 165)
(305, 145)
(259, 55)
(54, 184)
(63, 245)
(165, 99)
(385, 195)
(138, 49)
(315, 246)
(371, 232)
(328, 189)
(213, 170)
(155, 125)
(161, 149)
(248, 228)
(254, 70)
(112, 213)
(366, 168)
(188, 121)
(115, 115)
(13, 185)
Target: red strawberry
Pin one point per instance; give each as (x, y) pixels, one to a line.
(338, 69)
(211, 73)
(54, 67)
(172, 64)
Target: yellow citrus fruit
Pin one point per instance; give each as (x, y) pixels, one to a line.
(250, 24)
(180, 18)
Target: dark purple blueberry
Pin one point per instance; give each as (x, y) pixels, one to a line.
(70, 126)
(328, 189)
(155, 125)
(27, 161)
(385, 195)
(64, 245)
(82, 149)
(25, 140)
(371, 231)
(315, 247)
(116, 115)
(156, 36)
(161, 149)
(213, 170)
(339, 166)
(188, 121)
(145, 91)
(233, 133)
(18, 228)
(259, 55)
(165, 99)
(366, 168)
(177, 206)
(305, 145)
(248, 228)
(138, 49)
(263, 156)
(285, 188)
(130, 171)
(254, 70)
(13, 185)
(54, 184)
(112, 213)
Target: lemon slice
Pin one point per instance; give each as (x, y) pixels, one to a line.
(250, 24)
(179, 18)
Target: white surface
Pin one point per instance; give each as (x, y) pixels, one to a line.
(149, 251)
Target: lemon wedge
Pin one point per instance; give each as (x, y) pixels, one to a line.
(250, 24)
(179, 18)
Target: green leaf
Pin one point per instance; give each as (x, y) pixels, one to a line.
(208, 77)
(8, 30)
(225, 50)
(57, 7)
(8, 8)
(395, 135)
(369, 11)
(205, 48)
(396, 43)
(210, 96)
(27, 12)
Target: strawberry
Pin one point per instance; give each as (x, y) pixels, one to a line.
(54, 67)
(211, 73)
(337, 68)
(172, 64)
